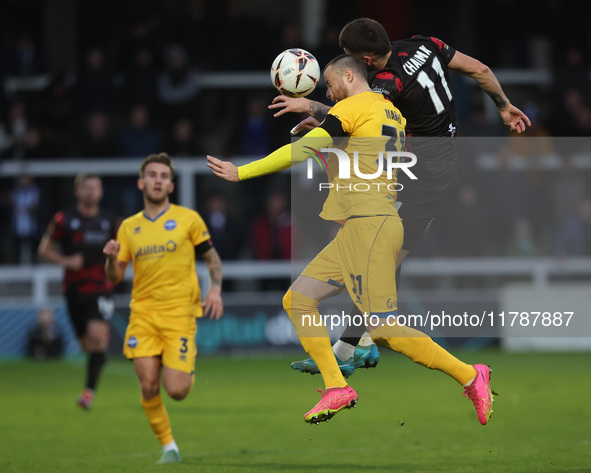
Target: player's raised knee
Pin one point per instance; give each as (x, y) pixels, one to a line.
(178, 393)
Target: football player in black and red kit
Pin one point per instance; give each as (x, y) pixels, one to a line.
(414, 74)
(75, 239)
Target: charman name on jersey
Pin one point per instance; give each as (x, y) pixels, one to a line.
(155, 250)
(414, 63)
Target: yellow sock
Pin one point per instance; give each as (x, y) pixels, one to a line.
(158, 419)
(315, 340)
(421, 349)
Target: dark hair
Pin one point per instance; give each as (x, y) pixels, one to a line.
(365, 35)
(346, 61)
(162, 158)
(81, 177)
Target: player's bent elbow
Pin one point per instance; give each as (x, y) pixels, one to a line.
(481, 70)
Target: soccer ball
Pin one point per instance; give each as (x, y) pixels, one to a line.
(295, 73)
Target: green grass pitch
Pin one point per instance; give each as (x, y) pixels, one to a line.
(246, 415)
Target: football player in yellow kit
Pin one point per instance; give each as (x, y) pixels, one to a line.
(362, 257)
(161, 242)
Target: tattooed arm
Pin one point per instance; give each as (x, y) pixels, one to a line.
(300, 105)
(481, 73)
(212, 304)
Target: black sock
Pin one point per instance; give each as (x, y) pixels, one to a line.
(353, 333)
(96, 360)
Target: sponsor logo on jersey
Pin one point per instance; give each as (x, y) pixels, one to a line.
(419, 58)
(132, 342)
(170, 225)
(152, 250)
(137, 230)
(95, 236)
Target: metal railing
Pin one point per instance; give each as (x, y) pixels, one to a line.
(539, 271)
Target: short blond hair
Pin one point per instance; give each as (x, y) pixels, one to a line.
(81, 177)
(162, 158)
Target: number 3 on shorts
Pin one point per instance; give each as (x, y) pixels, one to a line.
(184, 348)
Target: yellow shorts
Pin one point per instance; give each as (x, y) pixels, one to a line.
(362, 258)
(170, 337)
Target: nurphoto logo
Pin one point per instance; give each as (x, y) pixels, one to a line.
(389, 161)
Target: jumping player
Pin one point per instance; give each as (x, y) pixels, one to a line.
(362, 257)
(413, 74)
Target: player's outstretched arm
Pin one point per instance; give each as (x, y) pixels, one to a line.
(114, 268)
(224, 169)
(514, 118)
(299, 105)
(280, 159)
(213, 307)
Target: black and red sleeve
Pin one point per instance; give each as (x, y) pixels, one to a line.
(57, 228)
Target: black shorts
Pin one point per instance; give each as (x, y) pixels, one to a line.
(83, 308)
(422, 199)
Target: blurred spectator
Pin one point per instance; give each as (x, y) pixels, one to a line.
(464, 229)
(224, 229)
(572, 117)
(255, 134)
(23, 57)
(329, 47)
(568, 187)
(18, 127)
(183, 142)
(507, 199)
(522, 243)
(141, 80)
(571, 71)
(271, 232)
(25, 201)
(97, 141)
(44, 339)
(574, 236)
(95, 90)
(55, 115)
(193, 27)
(178, 84)
(139, 139)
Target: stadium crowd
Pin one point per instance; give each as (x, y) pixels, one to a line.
(135, 87)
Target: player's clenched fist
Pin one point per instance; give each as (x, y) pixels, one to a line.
(111, 249)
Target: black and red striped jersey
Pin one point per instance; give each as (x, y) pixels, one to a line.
(86, 235)
(416, 80)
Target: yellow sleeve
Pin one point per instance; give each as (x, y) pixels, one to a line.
(198, 232)
(287, 155)
(124, 251)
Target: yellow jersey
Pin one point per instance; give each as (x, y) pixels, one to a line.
(163, 255)
(373, 125)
